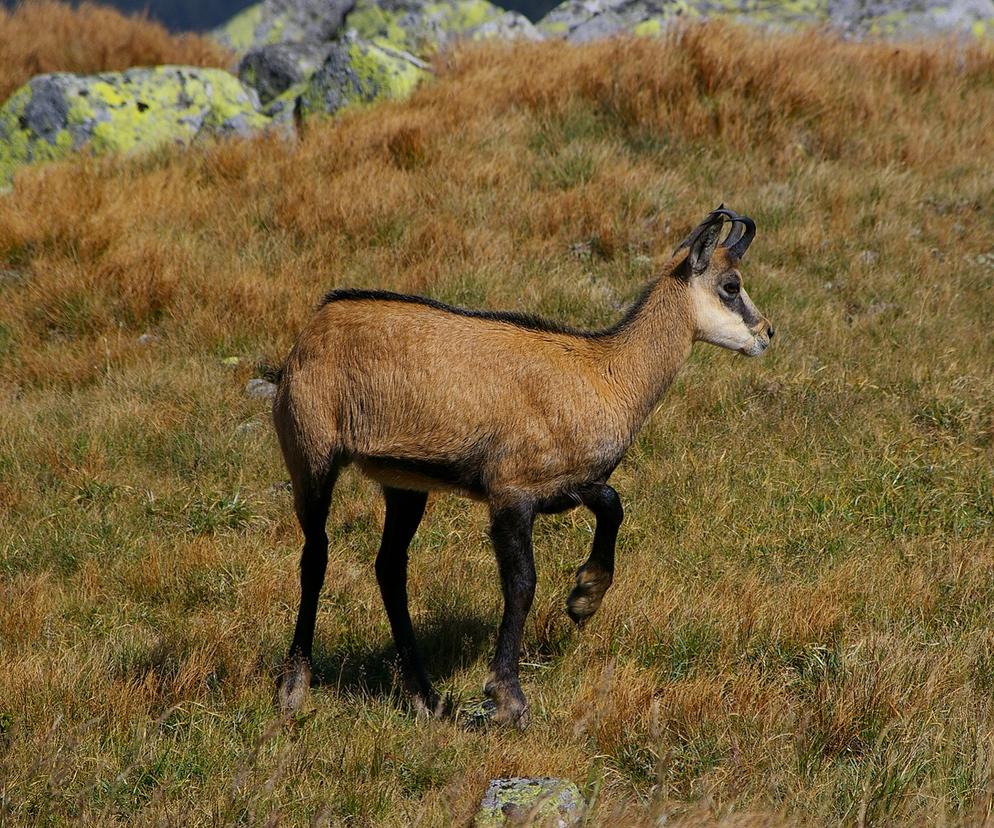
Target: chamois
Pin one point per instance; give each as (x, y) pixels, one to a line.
(526, 415)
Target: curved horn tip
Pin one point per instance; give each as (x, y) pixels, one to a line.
(741, 244)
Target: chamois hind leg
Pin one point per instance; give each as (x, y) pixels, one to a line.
(511, 533)
(595, 576)
(404, 512)
(312, 501)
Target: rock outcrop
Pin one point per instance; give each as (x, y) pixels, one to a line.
(274, 69)
(422, 28)
(306, 58)
(54, 115)
(412, 25)
(579, 21)
(283, 21)
(357, 71)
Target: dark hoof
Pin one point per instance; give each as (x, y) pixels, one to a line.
(293, 685)
(509, 705)
(428, 705)
(586, 596)
(482, 715)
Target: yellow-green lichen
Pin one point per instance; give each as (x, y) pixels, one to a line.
(982, 29)
(282, 107)
(273, 32)
(421, 32)
(783, 10)
(462, 15)
(648, 28)
(239, 32)
(381, 74)
(554, 27)
(529, 801)
(107, 93)
(359, 72)
(371, 22)
(15, 146)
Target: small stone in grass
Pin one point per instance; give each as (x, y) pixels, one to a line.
(260, 389)
(284, 487)
(530, 801)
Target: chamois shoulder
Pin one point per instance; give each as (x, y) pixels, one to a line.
(521, 320)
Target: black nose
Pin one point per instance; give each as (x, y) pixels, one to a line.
(769, 331)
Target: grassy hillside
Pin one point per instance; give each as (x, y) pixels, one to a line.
(800, 626)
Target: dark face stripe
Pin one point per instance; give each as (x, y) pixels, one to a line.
(737, 304)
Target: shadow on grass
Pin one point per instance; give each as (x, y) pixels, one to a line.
(449, 642)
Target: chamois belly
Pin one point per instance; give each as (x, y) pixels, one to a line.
(540, 456)
(423, 475)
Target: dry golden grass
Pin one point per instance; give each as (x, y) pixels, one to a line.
(799, 631)
(41, 36)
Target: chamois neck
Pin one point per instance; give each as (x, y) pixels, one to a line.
(647, 349)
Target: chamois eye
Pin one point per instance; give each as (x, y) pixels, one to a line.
(731, 288)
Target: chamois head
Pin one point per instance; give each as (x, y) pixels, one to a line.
(723, 313)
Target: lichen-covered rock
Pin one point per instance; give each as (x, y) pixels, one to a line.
(580, 21)
(357, 71)
(903, 19)
(539, 800)
(583, 20)
(272, 70)
(423, 27)
(283, 21)
(238, 33)
(54, 115)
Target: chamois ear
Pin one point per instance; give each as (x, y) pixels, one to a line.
(702, 241)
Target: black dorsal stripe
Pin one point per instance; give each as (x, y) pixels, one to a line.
(521, 320)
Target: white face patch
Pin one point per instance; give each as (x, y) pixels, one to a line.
(720, 325)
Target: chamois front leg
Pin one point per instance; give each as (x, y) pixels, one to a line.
(511, 533)
(596, 575)
(404, 512)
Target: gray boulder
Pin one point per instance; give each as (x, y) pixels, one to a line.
(283, 21)
(272, 70)
(421, 28)
(530, 801)
(357, 71)
(260, 389)
(907, 19)
(53, 116)
(579, 21)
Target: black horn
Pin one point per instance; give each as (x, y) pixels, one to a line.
(735, 233)
(740, 245)
(739, 237)
(741, 234)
